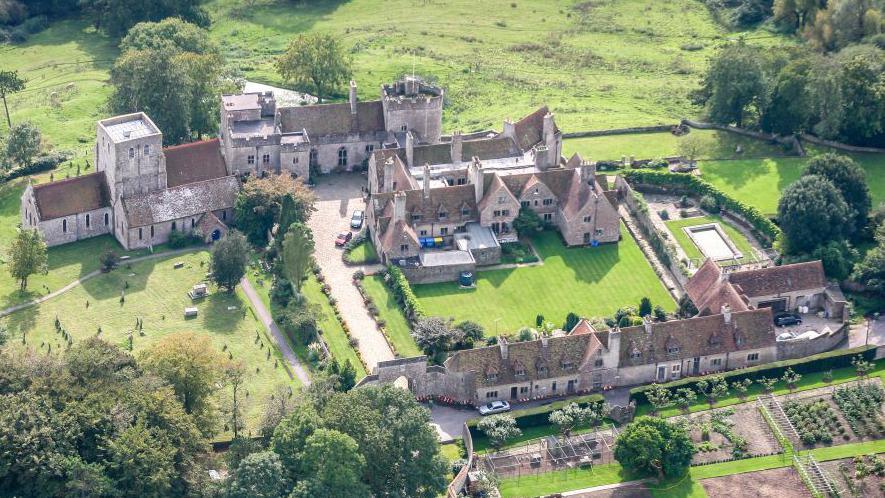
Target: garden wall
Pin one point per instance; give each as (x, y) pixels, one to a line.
(458, 484)
(620, 131)
(808, 347)
(838, 145)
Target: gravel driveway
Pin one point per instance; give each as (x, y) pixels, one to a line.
(337, 197)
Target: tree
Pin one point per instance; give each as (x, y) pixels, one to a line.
(790, 105)
(712, 389)
(691, 147)
(499, 429)
(435, 335)
(861, 367)
(141, 462)
(871, 270)
(172, 32)
(229, 258)
(659, 313)
(659, 397)
(527, 221)
(471, 332)
(653, 446)
(645, 307)
(27, 256)
(812, 212)
(259, 203)
(191, 365)
(290, 437)
(572, 415)
(298, 249)
(795, 14)
(791, 379)
(315, 61)
(116, 17)
(571, 321)
(234, 374)
(684, 397)
(260, 475)
(862, 78)
(333, 466)
(23, 143)
(347, 377)
(734, 84)
(848, 178)
(108, 260)
(9, 83)
(767, 383)
(741, 387)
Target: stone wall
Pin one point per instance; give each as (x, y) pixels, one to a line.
(487, 256)
(807, 347)
(620, 131)
(838, 145)
(357, 154)
(420, 114)
(139, 237)
(74, 227)
(434, 274)
(139, 174)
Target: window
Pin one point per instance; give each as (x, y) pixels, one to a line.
(295, 160)
(568, 365)
(505, 212)
(224, 215)
(131, 152)
(542, 370)
(672, 349)
(505, 228)
(450, 182)
(548, 202)
(443, 215)
(524, 204)
(173, 226)
(462, 181)
(500, 199)
(64, 226)
(422, 233)
(87, 221)
(265, 158)
(587, 219)
(152, 231)
(147, 150)
(444, 231)
(553, 387)
(491, 394)
(465, 212)
(677, 368)
(404, 247)
(753, 357)
(600, 231)
(635, 354)
(524, 390)
(313, 158)
(106, 219)
(342, 157)
(193, 223)
(370, 148)
(416, 217)
(250, 159)
(404, 127)
(739, 340)
(491, 376)
(716, 362)
(497, 213)
(599, 362)
(548, 216)
(520, 371)
(139, 234)
(536, 202)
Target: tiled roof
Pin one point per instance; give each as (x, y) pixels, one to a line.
(443, 199)
(194, 162)
(72, 196)
(709, 291)
(490, 148)
(401, 177)
(396, 234)
(208, 222)
(579, 194)
(778, 279)
(530, 129)
(558, 180)
(539, 359)
(430, 154)
(180, 202)
(582, 327)
(497, 185)
(700, 336)
(332, 119)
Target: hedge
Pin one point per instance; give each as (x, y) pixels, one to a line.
(810, 364)
(43, 162)
(701, 187)
(539, 415)
(402, 290)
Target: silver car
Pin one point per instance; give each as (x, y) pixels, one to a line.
(494, 407)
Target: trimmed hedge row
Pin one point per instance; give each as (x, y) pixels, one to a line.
(540, 415)
(810, 364)
(402, 290)
(43, 162)
(701, 187)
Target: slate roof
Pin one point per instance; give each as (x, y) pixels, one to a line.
(539, 359)
(180, 202)
(72, 196)
(709, 291)
(396, 234)
(332, 119)
(447, 199)
(700, 336)
(530, 129)
(194, 162)
(779, 279)
(490, 148)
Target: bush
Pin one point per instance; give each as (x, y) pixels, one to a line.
(402, 290)
(179, 239)
(664, 214)
(708, 203)
(539, 416)
(43, 162)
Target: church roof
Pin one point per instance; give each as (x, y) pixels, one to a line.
(194, 162)
(332, 119)
(72, 196)
(181, 202)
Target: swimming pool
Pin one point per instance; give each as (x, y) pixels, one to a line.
(713, 242)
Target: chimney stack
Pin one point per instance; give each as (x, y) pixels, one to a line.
(399, 206)
(475, 176)
(456, 147)
(410, 149)
(388, 174)
(502, 343)
(726, 313)
(509, 129)
(426, 180)
(352, 97)
(548, 130)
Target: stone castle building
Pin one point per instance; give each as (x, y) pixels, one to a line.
(734, 334)
(440, 209)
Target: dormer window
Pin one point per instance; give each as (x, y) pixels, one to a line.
(672, 349)
(501, 199)
(416, 216)
(465, 212)
(404, 248)
(739, 340)
(147, 150)
(519, 371)
(635, 354)
(568, 364)
(491, 374)
(442, 215)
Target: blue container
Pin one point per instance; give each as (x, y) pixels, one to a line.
(466, 279)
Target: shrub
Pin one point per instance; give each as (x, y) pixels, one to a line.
(179, 239)
(709, 204)
(664, 214)
(402, 290)
(540, 415)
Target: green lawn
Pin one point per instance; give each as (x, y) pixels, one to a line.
(396, 326)
(590, 281)
(363, 253)
(693, 251)
(336, 339)
(156, 293)
(717, 145)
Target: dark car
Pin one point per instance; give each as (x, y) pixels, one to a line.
(343, 238)
(784, 319)
(356, 220)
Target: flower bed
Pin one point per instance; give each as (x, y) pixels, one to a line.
(862, 404)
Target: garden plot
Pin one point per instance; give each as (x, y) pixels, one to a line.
(838, 415)
(858, 476)
(729, 433)
(775, 483)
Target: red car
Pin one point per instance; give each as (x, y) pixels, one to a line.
(343, 238)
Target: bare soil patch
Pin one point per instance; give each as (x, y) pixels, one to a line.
(843, 473)
(774, 483)
(748, 424)
(638, 491)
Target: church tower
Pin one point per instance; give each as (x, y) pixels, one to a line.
(129, 149)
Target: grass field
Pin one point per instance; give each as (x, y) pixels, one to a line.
(693, 251)
(396, 326)
(336, 339)
(588, 281)
(156, 293)
(364, 253)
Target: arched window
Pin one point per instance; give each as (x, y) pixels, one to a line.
(87, 221)
(64, 226)
(314, 157)
(140, 234)
(342, 157)
(131, 152)
(224, 214)
(295, 160)
(106, 219)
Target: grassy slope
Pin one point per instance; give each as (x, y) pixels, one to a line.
(157, 295)
(606, 70)
(588, 281)
(396, 326)
(693, 251)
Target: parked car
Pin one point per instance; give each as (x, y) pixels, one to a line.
(343, 238)
(786, 318)
(356, 220)
(494, 407)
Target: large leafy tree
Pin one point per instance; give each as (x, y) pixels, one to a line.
(259, 204)
(316, 62)
(116, 17)
(229, 258)
(863, 87)
(298, 249)
(192, 366)
(23, 143)
(788, 108)
(27, 256)
(9, 83)
(871, 270)
(260, 475)
(332, 466)
(654, 446)
(848, 178)
(499, 429)
(435, 335)
(734, 85)
(573, 415)
(811, 212)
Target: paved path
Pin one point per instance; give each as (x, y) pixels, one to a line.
(92, 274)
(283, 345)
(337, 197)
